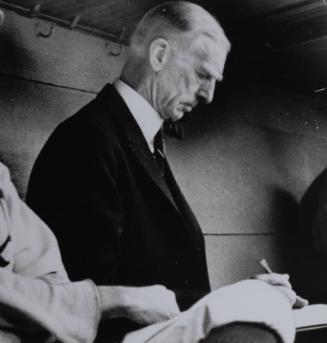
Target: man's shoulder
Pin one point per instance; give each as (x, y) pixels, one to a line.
(4, 171)
(6, 184)
(4, 176)
(317, 189)
(94, 120)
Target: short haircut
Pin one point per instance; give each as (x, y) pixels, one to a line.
(177, 17)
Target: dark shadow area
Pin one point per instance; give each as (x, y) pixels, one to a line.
(19, 99)
(305, 265)
(309, 272)
(315, 336)
(284, 212)
(13, 57)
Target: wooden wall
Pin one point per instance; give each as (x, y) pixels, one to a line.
(244, 164)
(43, 81)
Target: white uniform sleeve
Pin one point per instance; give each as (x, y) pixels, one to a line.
(69, 312)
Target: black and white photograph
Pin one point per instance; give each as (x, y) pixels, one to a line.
(163, 171)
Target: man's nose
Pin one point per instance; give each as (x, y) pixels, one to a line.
(206, 91)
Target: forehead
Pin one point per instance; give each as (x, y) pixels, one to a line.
(212, 53)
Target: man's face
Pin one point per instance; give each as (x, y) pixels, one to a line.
(189, 76)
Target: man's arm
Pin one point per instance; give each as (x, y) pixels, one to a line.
(71, 311)
(35, 293)
(28, 245)
(74, 189)
(142, 305)
(281, 283)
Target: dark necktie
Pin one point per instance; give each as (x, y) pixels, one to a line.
(3, 262)
(173, 129)
(158, 153)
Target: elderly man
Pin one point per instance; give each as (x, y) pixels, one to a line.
(102, 181)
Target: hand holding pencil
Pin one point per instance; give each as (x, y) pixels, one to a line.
(281, 282)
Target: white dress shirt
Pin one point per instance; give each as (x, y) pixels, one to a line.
(147, 118)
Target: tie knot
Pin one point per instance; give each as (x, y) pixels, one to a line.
(174, 129)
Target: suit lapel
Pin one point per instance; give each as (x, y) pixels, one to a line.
(189, 218)
(150, 165)
(145, 158)
(134, 138)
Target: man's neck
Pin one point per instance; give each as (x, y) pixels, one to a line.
(142, 86)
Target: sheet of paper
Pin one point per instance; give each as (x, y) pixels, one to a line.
(311, 317)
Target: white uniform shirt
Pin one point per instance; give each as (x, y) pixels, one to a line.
(35, 292)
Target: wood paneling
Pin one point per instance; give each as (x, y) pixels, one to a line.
(244, 167)
(234, 258)
(42, 82)
(28, 113)
(125, 14)
(274, 107)
(66, 58)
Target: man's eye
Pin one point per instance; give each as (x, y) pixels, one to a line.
(201, 78)
(204, 77)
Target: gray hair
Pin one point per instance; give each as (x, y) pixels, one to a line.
(172, 18)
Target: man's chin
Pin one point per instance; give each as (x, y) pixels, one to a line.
(173, 116)
(177, 115)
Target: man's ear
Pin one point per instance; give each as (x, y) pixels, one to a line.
(159, 51)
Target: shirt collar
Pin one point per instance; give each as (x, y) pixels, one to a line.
(147, 118)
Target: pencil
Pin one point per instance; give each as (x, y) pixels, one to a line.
(265, 266)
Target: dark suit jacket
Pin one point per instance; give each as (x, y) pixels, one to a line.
(117, 220)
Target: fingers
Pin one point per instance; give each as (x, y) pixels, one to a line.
(300, 302)
(152, 304)
(174, 308)
(295, 300)
(275, 279)
(288, 293)
(281, 282)
(172, 305)
(143, 305)
(164, 301)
